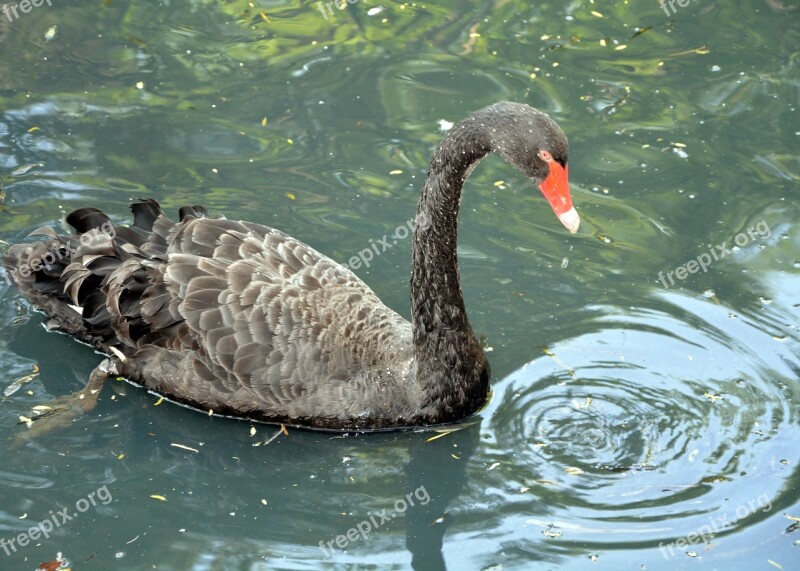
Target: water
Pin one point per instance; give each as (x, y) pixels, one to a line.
(643, 416)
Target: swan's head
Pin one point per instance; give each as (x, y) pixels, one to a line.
(533, 143)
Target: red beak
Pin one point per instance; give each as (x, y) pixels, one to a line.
(556, 190)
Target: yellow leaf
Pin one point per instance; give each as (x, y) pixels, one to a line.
(291, 196)
(290, 141)
(264, 17)
(157, 497)
(264, 122)
(159, 401)
(33, 130)
(398, 171)
(597, 14)
(573, 471)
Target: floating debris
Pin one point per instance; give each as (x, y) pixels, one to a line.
(60, 563)
(550, 532)
(17, 384)
(51, 33)
(182, 447)
(25, 169)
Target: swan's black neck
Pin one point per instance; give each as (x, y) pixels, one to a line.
(451, 369)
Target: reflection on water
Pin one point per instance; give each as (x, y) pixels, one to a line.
(658, 429)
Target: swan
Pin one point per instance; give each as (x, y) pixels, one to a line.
(242, 320)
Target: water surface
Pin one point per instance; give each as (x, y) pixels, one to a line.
(644, 415)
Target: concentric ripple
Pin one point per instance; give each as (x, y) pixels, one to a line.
(661, 423)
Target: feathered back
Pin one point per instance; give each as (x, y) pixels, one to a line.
(225, 315)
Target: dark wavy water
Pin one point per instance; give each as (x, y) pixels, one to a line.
(646, 371)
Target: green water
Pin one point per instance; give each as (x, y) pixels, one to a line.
(643, 416)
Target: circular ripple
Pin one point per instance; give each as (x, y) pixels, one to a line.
(659, 424)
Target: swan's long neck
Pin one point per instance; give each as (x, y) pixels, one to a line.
(451, 369)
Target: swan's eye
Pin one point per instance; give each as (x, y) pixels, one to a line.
(545, 156)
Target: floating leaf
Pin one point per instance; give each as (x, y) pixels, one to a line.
(158, 497)
(182, 447)
(25, 169)
(17, 384)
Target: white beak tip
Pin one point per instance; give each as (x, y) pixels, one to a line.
(571, 220)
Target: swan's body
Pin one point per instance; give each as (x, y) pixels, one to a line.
(246, 321)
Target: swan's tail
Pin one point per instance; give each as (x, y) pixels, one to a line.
(92, 284)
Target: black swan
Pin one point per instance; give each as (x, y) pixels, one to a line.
(242, 320)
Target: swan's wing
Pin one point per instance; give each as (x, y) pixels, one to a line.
(246, 320)
(223, 315)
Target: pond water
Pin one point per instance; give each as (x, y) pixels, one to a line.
(646, 372)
